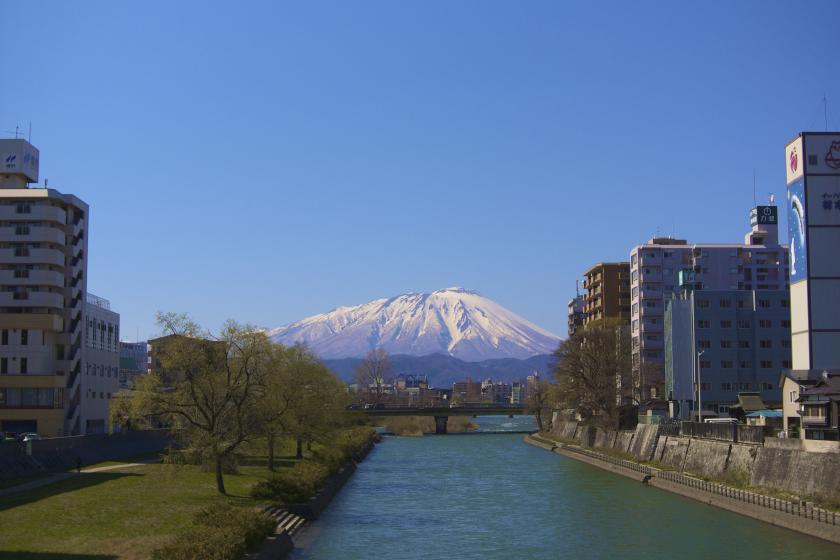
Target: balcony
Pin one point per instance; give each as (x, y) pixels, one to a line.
(32, 234)
(36, 213)
(31, 299)
(31, 278)
(32, 256)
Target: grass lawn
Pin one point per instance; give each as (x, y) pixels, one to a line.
(122, 513)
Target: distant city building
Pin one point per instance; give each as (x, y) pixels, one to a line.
(134, 362)
(102, 364)
(664, 267)
(607, 292)
(577, 315)
(739, 340)
(519, 392)
(467, 391)
(820, 407)
(495, 392)
(44, 351)
(408, 381)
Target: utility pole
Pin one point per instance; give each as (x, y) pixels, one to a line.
(699, 389)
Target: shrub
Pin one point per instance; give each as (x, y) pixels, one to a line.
(222, 532)
(293, 486)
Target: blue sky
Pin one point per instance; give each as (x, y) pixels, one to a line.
(266, 161)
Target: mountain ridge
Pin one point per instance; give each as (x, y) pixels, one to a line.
(455, 321)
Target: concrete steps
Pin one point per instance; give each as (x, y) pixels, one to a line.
(286, 521)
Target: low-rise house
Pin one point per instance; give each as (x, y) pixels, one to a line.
(819, 408)
(792, 383)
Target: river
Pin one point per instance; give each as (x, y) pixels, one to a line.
(492, 497)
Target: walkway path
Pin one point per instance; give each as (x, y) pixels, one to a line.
(58, 477)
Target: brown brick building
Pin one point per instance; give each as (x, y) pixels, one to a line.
(607, 292)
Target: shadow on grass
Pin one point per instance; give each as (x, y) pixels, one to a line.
(53, 556)
(75, 482)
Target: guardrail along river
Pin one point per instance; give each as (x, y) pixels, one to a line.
(494, 497)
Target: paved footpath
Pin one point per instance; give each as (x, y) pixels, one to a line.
(58, 477)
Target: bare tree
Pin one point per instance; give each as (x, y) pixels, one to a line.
(374, 373)
(589, 365)
(540, 398)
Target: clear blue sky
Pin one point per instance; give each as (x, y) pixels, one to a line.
(266, 161)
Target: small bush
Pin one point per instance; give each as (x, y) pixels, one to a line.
(293, 486)
(222, 532)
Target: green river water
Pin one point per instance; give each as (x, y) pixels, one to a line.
(494, 497)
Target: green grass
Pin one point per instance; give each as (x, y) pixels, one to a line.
(122, 513)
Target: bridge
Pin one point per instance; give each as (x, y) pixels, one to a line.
(442, 413)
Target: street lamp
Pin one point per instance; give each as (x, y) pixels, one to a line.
(699, 389)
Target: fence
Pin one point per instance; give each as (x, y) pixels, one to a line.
(723, 432)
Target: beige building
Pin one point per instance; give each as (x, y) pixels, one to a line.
(43, 295)
(607, 292)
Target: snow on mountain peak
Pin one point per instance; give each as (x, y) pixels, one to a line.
(454, 321)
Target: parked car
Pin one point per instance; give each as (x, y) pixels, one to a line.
(30, 437)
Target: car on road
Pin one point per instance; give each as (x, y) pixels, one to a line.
(30, 437)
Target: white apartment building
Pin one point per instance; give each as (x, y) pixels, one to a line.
(665, 266)
(102, 364)
(43, 288)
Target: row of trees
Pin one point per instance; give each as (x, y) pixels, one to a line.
(219, 391)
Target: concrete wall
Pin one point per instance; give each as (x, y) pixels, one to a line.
(809, 474)
(674, 451)
(605, 438)
(706, 457)
(644, 441)
(624, 441)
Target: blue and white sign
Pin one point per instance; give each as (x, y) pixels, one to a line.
(797, 230)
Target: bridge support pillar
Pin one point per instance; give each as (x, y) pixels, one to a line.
(440, 424)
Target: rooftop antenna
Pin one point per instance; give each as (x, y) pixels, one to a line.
(825, 111)
(755, 201)
(772, 198)
(30, 132)
(17, 131)
(577, 288)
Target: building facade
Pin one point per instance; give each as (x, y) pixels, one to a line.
(577, 315)
(607, 292)
(43, 286)
(101, 364)
(736, 340)
(134, 362)
(663, 267)
(813, 207)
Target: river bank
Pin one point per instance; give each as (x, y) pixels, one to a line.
(799, 517)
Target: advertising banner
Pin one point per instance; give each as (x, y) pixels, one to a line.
(797, 228)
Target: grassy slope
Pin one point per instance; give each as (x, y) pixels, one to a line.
(122, 513)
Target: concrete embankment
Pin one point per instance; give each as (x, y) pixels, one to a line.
(797, 516)
(279, 545)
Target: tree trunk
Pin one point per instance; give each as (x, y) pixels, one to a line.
(299, 453)
(220, 481)
(271, 451)
(309, 445)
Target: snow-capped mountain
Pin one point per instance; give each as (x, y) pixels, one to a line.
(455, 321)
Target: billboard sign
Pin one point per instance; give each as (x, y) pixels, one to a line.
(20, 157)
(794, 160)
(823, 154)
(767, 215)
(797, 231)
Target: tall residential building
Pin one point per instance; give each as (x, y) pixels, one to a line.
(812, 161)
(576, 314)
(663, 267)
(101, 356)
(607, 292)
(737, 340)
(43, 288)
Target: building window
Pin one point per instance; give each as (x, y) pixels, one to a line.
(5, 337)
(725, 303)
(765, 344)
(726, 364)
(765, 323)
(726, 386)
(4, 365)
(24, 365)
(24, 337)
(787, 364)
(786, 343)
(726, 324)
(702, 324)
(705, 364)
(786, 323)
(785, 303)
(766, 364)
(745, 364)
(726, 344)
(744, 324)
(764, 303)
(704, 344)
(702, 303)
(743, 344)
